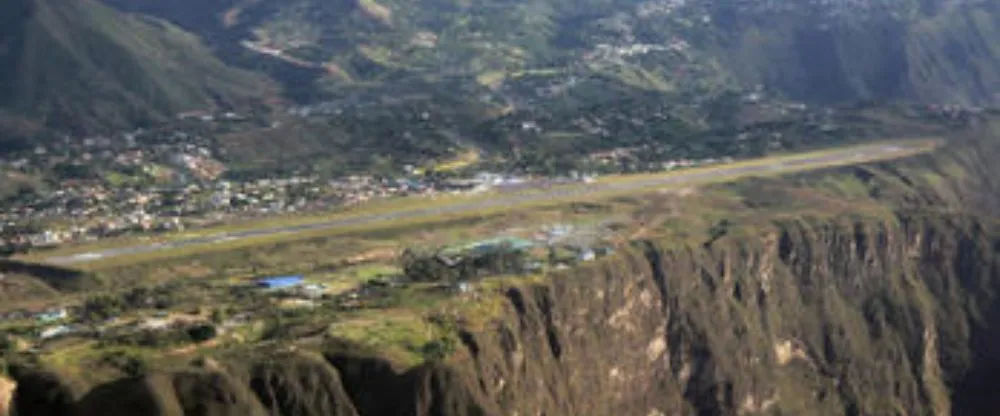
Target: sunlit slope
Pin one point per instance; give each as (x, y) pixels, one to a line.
(79, 65)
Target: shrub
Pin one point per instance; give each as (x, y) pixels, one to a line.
(438, 349)
(130, 363)
(102, 307)
(202, 333)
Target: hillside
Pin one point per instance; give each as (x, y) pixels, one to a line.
(946, 54)
(823, 52)
(591, 75)
(882, 304)
(81, 66)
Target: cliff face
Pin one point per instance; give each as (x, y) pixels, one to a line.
(6, 395)
(842, 317)
(854, 313)
(827, 318)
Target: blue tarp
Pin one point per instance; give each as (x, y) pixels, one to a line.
(279, 282)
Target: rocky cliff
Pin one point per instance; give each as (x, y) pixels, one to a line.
(6, 395)
(856, 312)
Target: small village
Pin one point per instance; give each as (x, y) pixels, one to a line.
(169, 180)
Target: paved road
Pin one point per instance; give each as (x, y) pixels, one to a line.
(842, 157)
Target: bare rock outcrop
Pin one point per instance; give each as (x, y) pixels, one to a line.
(7, 387)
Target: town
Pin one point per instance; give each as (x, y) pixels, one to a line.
(149, 182)
(170, 180)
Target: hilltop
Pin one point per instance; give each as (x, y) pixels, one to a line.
(82, 67)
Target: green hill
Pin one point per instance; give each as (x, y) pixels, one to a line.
(79, 65)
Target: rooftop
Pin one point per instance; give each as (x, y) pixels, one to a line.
(279, 281)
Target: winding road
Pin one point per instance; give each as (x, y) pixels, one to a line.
(769, 166)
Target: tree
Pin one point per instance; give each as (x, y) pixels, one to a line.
(139, 297)
(717, 231)
(438, 349)
(131, 364)
(202, 333)
(425, 268)
(723, 109)
(101, 307)
(501, 261)
(7, 344)
(74, 171)
(219, 315)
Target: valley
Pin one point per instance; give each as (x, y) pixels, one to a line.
(525, 207)
(460, 299)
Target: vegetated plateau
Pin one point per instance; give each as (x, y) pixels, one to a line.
(862, 290)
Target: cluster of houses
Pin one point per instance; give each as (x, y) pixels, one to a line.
(51, 321)
(55, 323)
(556, 246)
(658, 7)
(190, 194)
(97, 211)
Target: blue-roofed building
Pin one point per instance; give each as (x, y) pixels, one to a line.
(279, 282)
(486, 246)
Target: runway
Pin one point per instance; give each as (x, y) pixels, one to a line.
(776, 165)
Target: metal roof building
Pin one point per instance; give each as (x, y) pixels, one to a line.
(498, 243)
(279, 282)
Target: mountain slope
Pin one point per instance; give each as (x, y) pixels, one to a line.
(79, 65)
(816, 51)
(948, 55)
